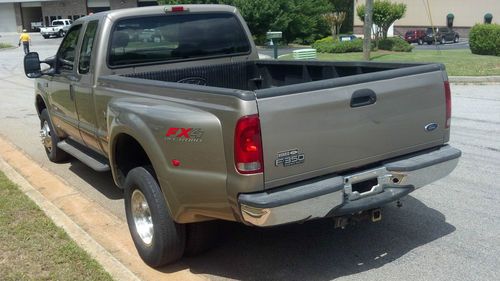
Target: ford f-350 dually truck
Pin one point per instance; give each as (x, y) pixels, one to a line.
(195, 128)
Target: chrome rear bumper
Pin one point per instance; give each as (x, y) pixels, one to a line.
(334, 195)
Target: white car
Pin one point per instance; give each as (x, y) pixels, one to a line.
(58, 28)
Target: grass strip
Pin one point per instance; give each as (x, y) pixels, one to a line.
(458, 62)
(32, 247)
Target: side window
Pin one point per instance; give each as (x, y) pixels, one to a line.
(87, 45)
(66, 54)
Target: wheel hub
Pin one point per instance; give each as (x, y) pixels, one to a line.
(45, 135)
(141, 215)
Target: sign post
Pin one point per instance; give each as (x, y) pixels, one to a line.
(273, 36)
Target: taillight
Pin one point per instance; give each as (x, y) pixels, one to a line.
(248, 145)
(447, 93)
(177, 9)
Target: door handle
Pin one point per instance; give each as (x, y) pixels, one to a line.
(363, 97)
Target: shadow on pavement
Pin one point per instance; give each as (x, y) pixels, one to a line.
(103, 182)
(317, 251)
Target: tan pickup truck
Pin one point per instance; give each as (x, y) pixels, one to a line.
(194, 127)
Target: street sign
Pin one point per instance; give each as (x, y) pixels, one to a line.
(274, 34)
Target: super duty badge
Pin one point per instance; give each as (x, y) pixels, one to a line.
(289, 158)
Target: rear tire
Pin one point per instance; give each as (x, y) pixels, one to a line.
(45, 36)
(201, 236)
(50, 139)
(158, 239)
(60, 33)
(443, 41)
(456, 39)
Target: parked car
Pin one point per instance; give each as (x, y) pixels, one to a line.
(347, 37)
(58, 28)
(415, 36)
(441, 35)
(197, 128)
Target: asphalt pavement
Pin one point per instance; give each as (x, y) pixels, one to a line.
(448, 230)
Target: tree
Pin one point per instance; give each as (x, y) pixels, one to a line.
(385, 14)
(346, 6)
(298, 20)
(367, 18)
(334, 21)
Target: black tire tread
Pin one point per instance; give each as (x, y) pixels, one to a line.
(200, 237)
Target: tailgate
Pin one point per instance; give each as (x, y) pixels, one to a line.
(312, 133)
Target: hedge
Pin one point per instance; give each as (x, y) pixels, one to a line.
(328, 45)
(395, 44)
(484, 39)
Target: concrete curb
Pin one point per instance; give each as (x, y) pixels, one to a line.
(474, 79)
(117, 270)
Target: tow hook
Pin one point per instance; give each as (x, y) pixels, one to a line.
(376, 215)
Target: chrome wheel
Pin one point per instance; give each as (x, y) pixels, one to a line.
(45, 136)
(142, 217)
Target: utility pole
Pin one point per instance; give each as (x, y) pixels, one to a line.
(368, 29)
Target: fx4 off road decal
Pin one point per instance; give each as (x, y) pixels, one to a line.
(289, 158)
(188, 135)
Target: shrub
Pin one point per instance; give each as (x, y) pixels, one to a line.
(395, 44)
(484, 39)
(328, 45)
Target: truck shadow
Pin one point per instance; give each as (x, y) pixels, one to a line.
(317, 251)
(103, 182)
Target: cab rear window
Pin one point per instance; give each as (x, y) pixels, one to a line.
(154, 39)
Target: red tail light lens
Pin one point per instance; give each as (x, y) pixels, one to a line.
(248, 145)
(447, 93)
(177, 9)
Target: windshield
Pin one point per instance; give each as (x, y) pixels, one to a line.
(176, 37)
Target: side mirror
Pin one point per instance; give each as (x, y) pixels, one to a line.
(32, 65)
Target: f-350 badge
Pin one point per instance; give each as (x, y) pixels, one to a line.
(289, 158)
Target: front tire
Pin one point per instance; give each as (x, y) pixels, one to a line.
(45, 36)
(158, 239)
(443, 41)
(420, 42)
(50, 139)
(60, 33)
(456, 39)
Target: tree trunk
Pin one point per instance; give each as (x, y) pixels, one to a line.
(367, 29)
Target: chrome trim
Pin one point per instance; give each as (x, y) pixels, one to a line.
(141, 216)
(321, 206)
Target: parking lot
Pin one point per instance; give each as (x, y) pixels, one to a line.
(448, 230)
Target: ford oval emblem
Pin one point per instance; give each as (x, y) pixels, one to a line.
(194, 80)
(431, 127)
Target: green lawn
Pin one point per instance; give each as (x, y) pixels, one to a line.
(458, 62)
(33, 248)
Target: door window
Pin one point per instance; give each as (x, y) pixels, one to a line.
(87, 45)
(66, 54)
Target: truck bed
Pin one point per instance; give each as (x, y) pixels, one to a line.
(320, 118)
(264, 77)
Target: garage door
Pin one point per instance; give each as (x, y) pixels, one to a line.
(7, 18)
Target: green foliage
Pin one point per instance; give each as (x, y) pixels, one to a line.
(395, 44)
(329, 45)
(300, 21)
(346, 6)
(484, 39)
(385, 14)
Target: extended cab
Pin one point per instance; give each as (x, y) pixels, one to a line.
(58, 28)
(174, 101)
